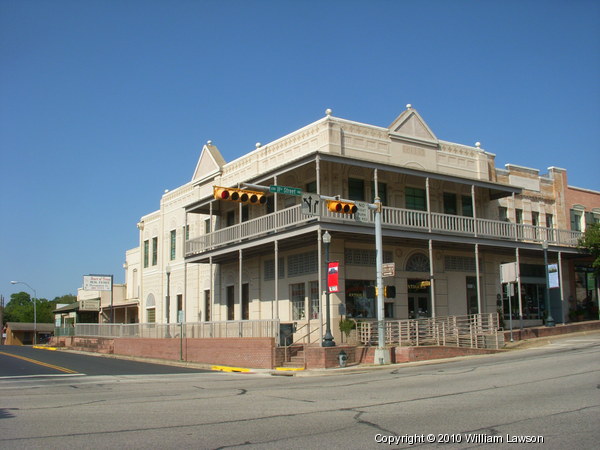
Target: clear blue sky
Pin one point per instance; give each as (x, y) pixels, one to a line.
(105, 104)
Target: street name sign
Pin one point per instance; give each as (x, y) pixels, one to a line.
(285, 190)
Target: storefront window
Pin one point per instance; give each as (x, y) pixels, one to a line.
(357, 303)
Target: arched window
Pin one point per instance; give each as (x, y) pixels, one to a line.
(417, 263)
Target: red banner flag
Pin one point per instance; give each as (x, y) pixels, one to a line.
(332, 277)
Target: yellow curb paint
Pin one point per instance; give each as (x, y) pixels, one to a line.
(45, 348)
(229, 369)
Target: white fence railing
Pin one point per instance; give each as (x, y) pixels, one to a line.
(391, 217)
(230, 328)
(474, 331)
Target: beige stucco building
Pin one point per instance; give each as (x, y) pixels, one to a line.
(450, 217)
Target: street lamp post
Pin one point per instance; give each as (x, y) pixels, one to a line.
(34, 310)
(549, 319)
(168, 298)
(328, 338)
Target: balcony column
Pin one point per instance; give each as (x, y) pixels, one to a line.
(431, 279)
(518, 274)
(474, 209)
(427, 196)
(479, 309)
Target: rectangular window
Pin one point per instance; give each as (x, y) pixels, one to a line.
(207, 305)
(302, 264)
(415, 199)
(467, 206)
(180, 317)
(503, 214)
(154, 251)
(356, 189)
(297, 297)
(173, 244)
(311, 187)
(245, 301)
(535, 218)
(449, 203)
(186, 230)
(314, 300)
(206, 226)
(230, 218)
(146, 252)
(270, 204)
(230, 302)
(518, 215)
(269, 269)
(381, 191)
(151, 315)
(549, 221)
(245, 213)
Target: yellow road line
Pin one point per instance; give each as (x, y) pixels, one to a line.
(40, 363)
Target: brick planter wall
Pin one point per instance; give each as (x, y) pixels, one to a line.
(536, 332)
(258, 353)
(327, 357)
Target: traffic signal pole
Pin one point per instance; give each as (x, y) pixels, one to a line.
(382, 354)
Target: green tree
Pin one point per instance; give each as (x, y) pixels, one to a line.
(20, 308)
(590, 241)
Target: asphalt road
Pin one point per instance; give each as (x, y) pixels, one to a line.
(25, 361)
(549, 394)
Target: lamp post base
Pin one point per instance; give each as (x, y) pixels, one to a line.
(328, 340)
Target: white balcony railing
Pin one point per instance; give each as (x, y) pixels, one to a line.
(391, 218)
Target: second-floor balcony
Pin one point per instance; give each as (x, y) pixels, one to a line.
(391, 219)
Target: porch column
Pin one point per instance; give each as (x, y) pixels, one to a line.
(212, 290)
(320, 278)
(431, 279)
(562, 288)
(238, 306)
(276, 298)
(518, 274)
(479, 309)
(428, 207)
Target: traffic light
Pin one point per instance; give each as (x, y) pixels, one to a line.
(341, 207)
(239, 195)
(388, 291)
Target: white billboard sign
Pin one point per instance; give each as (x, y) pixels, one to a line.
(508, 273)
(97, 283)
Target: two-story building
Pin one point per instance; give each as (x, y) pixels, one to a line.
(449, 219)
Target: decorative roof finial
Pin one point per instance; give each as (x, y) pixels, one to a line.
(478, 144)
(328, 111)
(258, 145)
(209, 142)
(408, 106)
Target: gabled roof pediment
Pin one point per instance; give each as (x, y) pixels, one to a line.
(210, 162)
(411, 125)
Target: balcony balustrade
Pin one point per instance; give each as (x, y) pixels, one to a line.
(391, 218)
